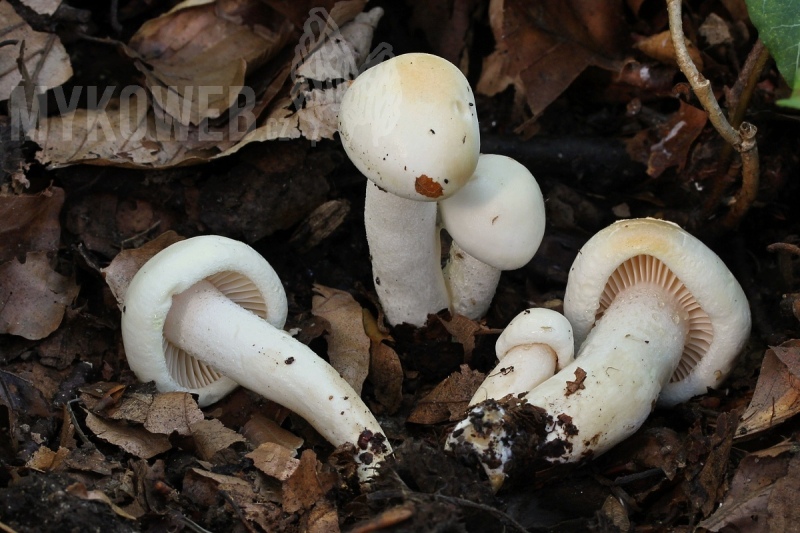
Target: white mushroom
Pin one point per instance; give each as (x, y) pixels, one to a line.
(409, 125)
(205, 314)
(497, 222)
(657, 316)
(536, 344)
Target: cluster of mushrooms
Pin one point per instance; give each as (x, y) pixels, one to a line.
(651, 315)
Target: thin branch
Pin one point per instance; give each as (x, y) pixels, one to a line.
(742, 139)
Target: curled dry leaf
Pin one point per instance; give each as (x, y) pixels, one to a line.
(195, 57)
(46, 60)
(777, 394)
(133, 439)
(348, 345)
(449, 399)
(33, 297)
(385, 370)
(30, 222)
(127, 263)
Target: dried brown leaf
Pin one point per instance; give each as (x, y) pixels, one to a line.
(79, 490)
(464, 330)
(777, 393)
(127, 263)
(260, 430)
(385, 370)
(30, 223)
(660, 47)
(210, 437)
(204, 488)
(133, 439)
(274, 460)
(763, 491)
(348, 345)
(173, 411)
(449, 399)
(130, 132)
(195, 57)
(46, 59)
(46, 460)
(543, 46)
(302, 490)
(33, 296)
(668, 144)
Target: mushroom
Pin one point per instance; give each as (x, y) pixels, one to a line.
(409, 125)
(497, 222)
(534, 345)
(206, 313)
(657, 316)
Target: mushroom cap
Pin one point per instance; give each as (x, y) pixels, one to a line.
(409, 124)
(498, 216)
(234, 268)
(656, 251)
(538, 326)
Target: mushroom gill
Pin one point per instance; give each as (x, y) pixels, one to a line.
(648, 269)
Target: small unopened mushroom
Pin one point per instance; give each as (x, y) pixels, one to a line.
(206, 313)
(657, 316)
(497, 222)
(409, 125)
(536, 344)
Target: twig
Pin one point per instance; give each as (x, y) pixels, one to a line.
(75, 423)
(6, 529)
(742, 139)
(784, 247)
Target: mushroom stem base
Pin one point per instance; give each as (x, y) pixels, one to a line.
(470, 282)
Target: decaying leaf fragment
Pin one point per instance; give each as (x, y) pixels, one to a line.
(30, 222)
(777, 393)
(46, 60)
(274, 460)
(449, 399)
(33, 296)
(348, 345)
(385, 370)
(543, 46)
(133, 439)
(127, 263)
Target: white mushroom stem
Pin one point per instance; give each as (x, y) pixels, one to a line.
(405, 250)
(245, 348)
(522, 369)
(628, 357)
(470, 282)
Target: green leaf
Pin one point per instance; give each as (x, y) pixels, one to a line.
(778, 25)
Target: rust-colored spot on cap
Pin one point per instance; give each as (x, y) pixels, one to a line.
(427, 187)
